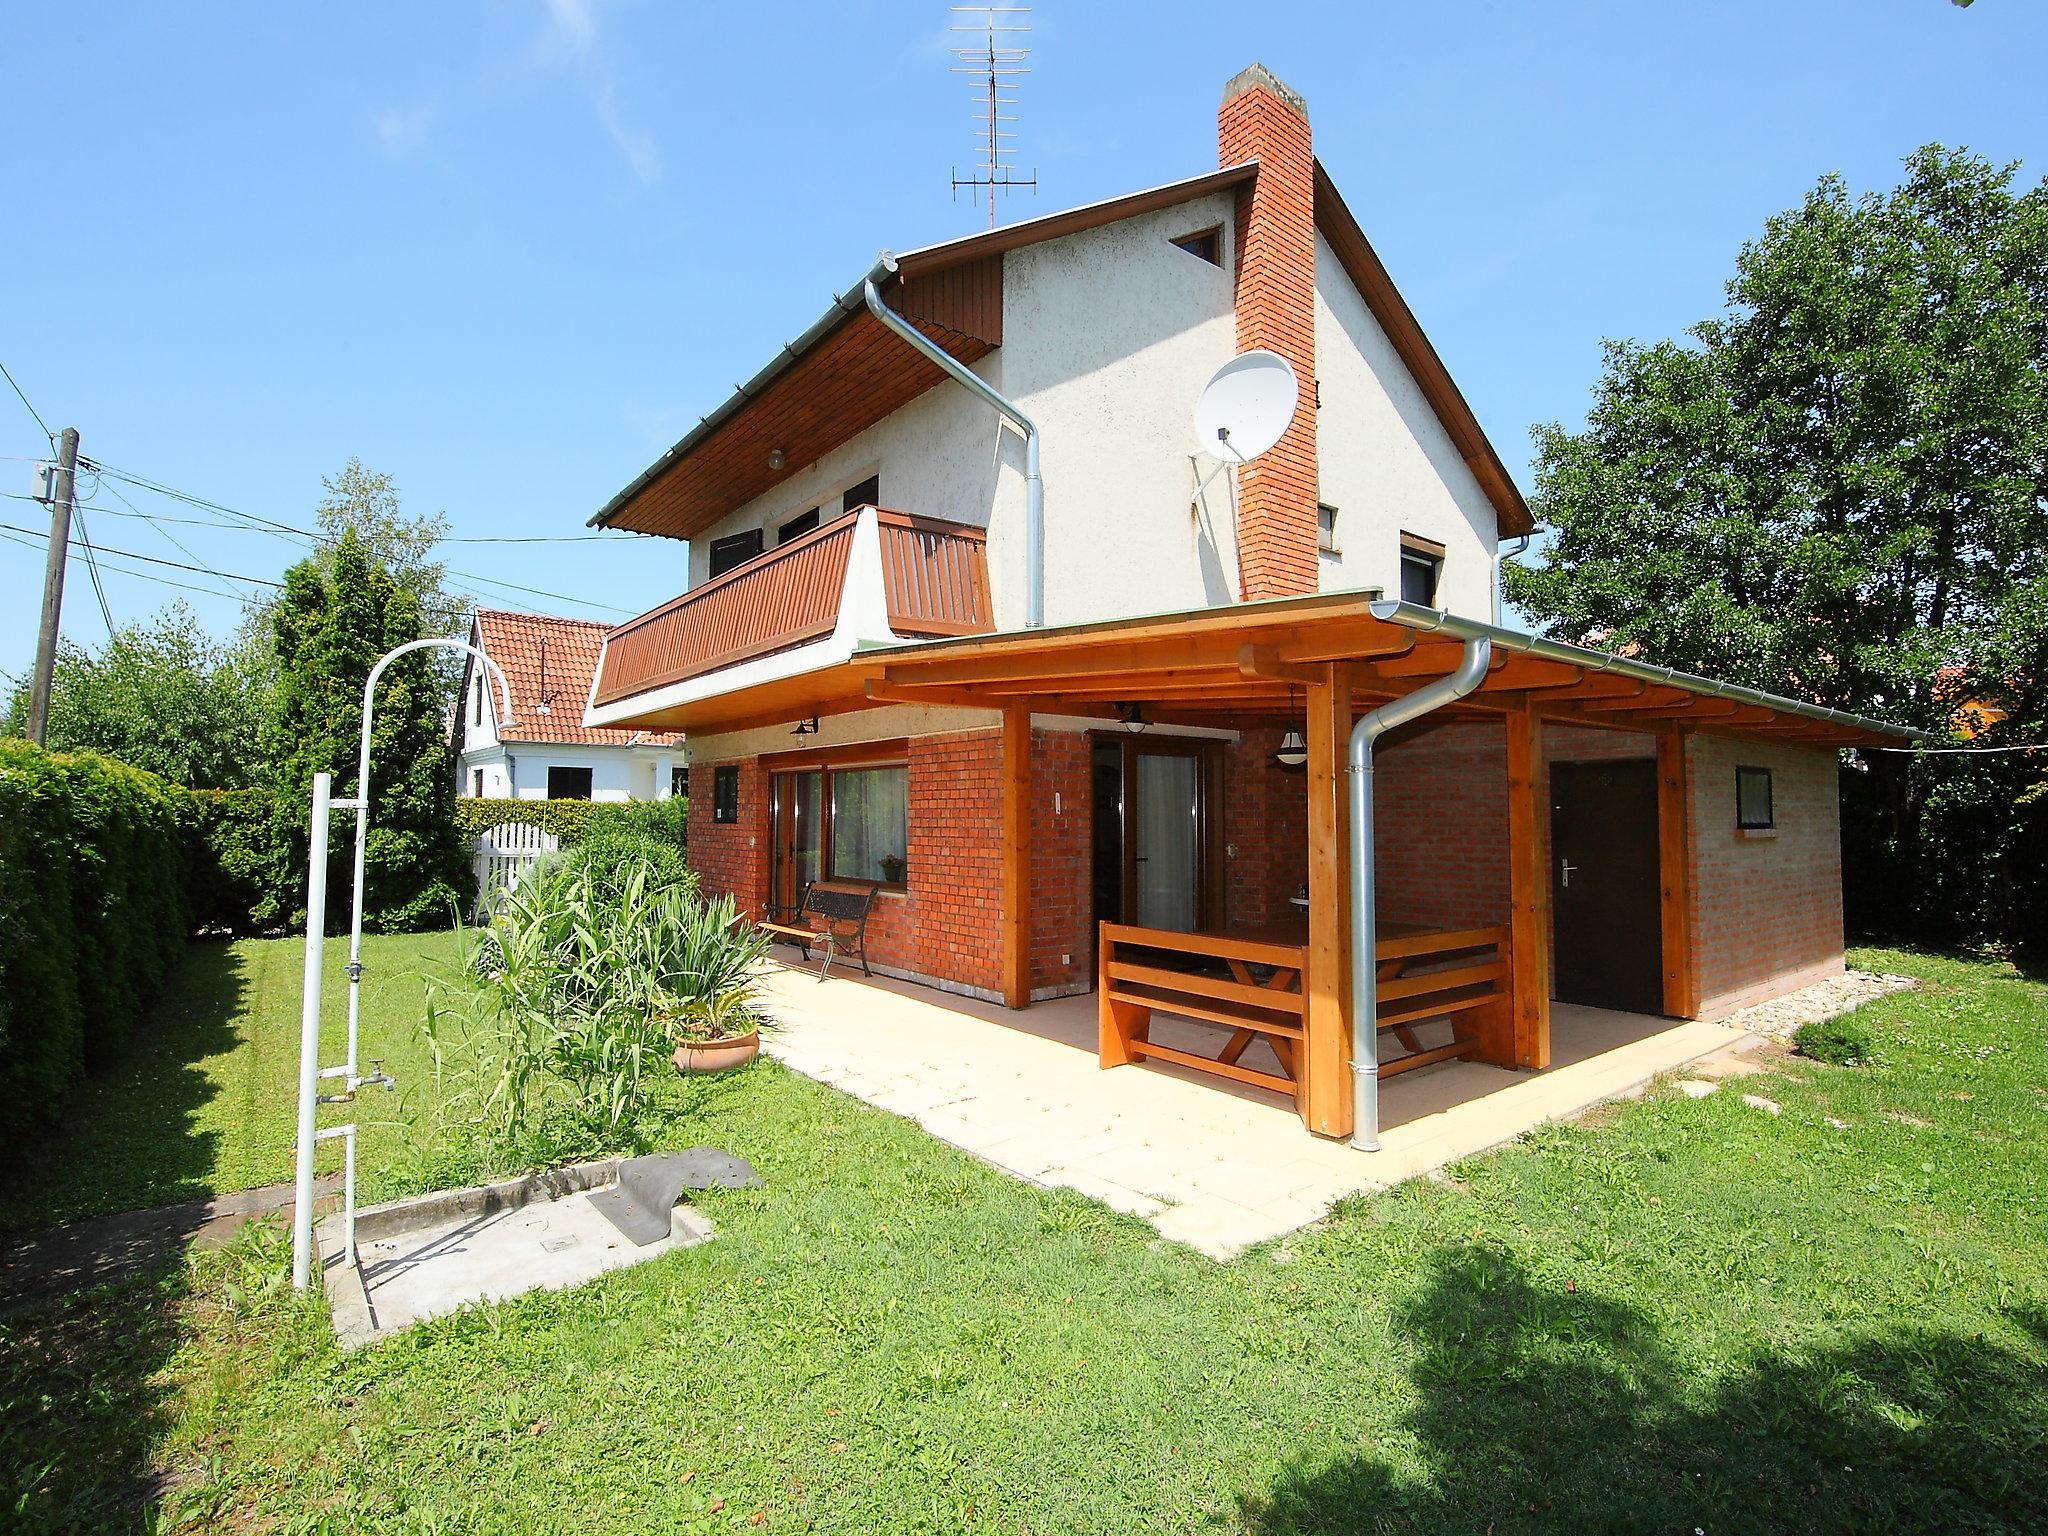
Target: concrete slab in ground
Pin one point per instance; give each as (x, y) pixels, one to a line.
(1215, 1165)
(431, 1256)
(41, 1266)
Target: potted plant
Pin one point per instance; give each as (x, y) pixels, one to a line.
(709, 984)
(892, 868)
(714, 1033)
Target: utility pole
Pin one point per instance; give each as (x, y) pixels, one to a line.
(53, 585)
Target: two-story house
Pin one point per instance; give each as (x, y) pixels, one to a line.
(546, 752)
(974, 621)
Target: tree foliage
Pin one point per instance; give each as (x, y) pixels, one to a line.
(1838, 489)
(329, 628)
(163, 696)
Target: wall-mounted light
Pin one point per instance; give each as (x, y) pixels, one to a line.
(806, 727)
(1132, 716)
(775, 458)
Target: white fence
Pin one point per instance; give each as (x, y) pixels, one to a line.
(505, 853)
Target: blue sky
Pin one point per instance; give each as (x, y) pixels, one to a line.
(509, 251)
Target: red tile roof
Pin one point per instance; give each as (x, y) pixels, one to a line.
(552, 661)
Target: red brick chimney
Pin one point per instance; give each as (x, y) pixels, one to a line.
(1263, 119)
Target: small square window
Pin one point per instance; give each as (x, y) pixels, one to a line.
(476, 783)
(725, 793)
(1326, 529)
(1754, 810)
(679, 783)
(568, 783)
(1205, 243)
(797, 526)
(734, 550)
(867, 494)
(1422, 569)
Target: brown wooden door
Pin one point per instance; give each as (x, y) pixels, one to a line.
(1604, 887)
(796, 839)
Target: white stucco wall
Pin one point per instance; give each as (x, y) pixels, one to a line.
(1109, 337)
(519, 770)
(1385, 461)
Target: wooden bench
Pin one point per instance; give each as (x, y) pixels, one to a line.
(842, 929)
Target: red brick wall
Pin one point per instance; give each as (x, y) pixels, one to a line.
(1440, 812)
(1062, 868)
(946, 925)
(1262, 119)
(1766, 911)
(1265, 820)
(731, 858)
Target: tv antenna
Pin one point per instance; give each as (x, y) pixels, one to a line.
(996, 66)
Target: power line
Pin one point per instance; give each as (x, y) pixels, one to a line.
(129, 554)
(162, 581)
(93, 565)
(162, 532)
(31, 409)
(323, 542)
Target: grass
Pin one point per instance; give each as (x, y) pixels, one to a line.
(1694, 1317)
(206, 1103)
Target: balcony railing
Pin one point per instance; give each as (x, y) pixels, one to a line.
(934, 583)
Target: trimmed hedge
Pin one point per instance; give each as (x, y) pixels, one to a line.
(574, 820)
(93, 872)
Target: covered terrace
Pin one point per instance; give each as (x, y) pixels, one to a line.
(1283, 995)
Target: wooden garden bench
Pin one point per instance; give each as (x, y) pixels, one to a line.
(842, 924)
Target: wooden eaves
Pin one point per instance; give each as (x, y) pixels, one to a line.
(1249, 664)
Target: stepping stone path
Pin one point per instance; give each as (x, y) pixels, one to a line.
(1758, 1101)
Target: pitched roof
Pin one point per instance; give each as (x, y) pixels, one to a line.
(845, 352)
(552, 661)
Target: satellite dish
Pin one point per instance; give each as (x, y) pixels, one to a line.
(1246, 406)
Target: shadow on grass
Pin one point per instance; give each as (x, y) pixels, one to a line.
(126, 1140)
(83, 1381)
(1544, 1409)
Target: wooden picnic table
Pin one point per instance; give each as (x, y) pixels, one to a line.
(1423, 973)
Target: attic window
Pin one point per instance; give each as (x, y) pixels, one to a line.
(1205, 243)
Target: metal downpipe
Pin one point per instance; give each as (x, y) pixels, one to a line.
(1365, 1040)
(1034, 490)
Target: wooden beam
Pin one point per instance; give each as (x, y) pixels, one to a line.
(1348, 644)
(1259, 661)
(1016, 882)
(1325, 1063)
(1674, 874)
(1528, 891)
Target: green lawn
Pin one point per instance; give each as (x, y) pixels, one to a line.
(1692, 1316)
(207, 1103)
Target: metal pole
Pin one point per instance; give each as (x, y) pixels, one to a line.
(309, 1032)
(53, 587)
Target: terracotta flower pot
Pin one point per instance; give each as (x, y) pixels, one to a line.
(717, 1055)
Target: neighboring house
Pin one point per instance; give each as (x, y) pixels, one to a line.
(547, 752)
(876, 695)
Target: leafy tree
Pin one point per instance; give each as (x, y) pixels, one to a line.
(163, 696)
(366, 504)
(329, 628)
(1839, 489)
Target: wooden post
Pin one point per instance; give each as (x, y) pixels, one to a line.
(1674, 873)
(1528, 888)
(1324, 1065)
(1016, 893)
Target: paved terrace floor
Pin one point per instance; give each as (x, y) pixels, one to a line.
(1212, 1164)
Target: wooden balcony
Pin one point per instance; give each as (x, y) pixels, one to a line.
(934, 583)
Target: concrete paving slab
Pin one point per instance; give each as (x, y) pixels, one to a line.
(1216, 1165)
(429, 1257)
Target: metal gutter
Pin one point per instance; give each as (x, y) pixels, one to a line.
(1034, 487)
(1365, 987)
(1443, 622)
